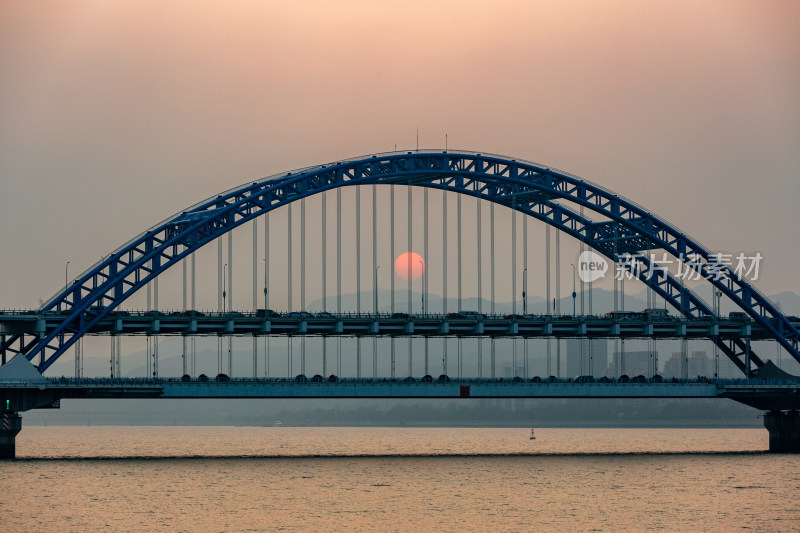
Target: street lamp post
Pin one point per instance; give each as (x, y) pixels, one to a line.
(375, 285)
(524, 291)
(66, 276)
(266, 281)
(224, 287)
(574, 294)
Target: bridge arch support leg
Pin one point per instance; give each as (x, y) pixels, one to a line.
(10, 426)
(784, 431)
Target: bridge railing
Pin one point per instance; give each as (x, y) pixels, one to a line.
(68, 381)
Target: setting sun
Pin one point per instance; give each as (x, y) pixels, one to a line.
(401, 265)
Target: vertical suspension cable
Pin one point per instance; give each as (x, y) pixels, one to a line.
(622, 309)
(458, 227)
(547, 292)
(391, 247)
(514, 256)
(289, 287)
(324, 277)
(716, 346)
(591, 341)
(289, 258)
(491, 249)
(358, 275)
(255, 294)
(444, 276)
(155, 355)
(255, 265)
(375, 272)
(184, 268)
(79, 359)
(230, 271)
(425, 274)
(583, 340)
(339, 276)
(266, 291)
(303, 254)
(410, 270)
(194, 307)
(410, 241)
(525, 288)
(219, 275)
(514, 282)
(155, 337)
(444, 255)
(303, 280)
(558, 299)
(324, 252)
(230, 299)
(391, 274)
(149, 336)
(479, 262)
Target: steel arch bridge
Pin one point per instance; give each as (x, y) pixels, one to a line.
(625, 230)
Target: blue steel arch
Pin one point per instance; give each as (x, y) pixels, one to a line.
(533, 189)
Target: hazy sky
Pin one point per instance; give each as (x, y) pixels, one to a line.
(115, 115)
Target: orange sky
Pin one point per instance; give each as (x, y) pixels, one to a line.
(130, 111)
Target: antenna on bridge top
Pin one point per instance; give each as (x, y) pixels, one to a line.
(418, 139)
(445, 142)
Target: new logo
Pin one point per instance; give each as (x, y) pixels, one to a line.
(591, 266)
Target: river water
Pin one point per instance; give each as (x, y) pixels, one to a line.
(396, 479)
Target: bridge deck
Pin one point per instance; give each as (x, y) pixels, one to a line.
(753, 392)
(235, 323)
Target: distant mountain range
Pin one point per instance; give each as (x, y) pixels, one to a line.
(602, 301)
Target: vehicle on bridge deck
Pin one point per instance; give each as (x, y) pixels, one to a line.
(269, 313)
(658, 314)
(626, 315)
(222, 378)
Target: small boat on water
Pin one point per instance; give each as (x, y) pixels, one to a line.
(533, 437)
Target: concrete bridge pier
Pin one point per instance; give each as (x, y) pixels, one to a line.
(10, 425)
(784, 431)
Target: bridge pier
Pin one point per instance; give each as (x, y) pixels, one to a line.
(784, 431)
(10, 426)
